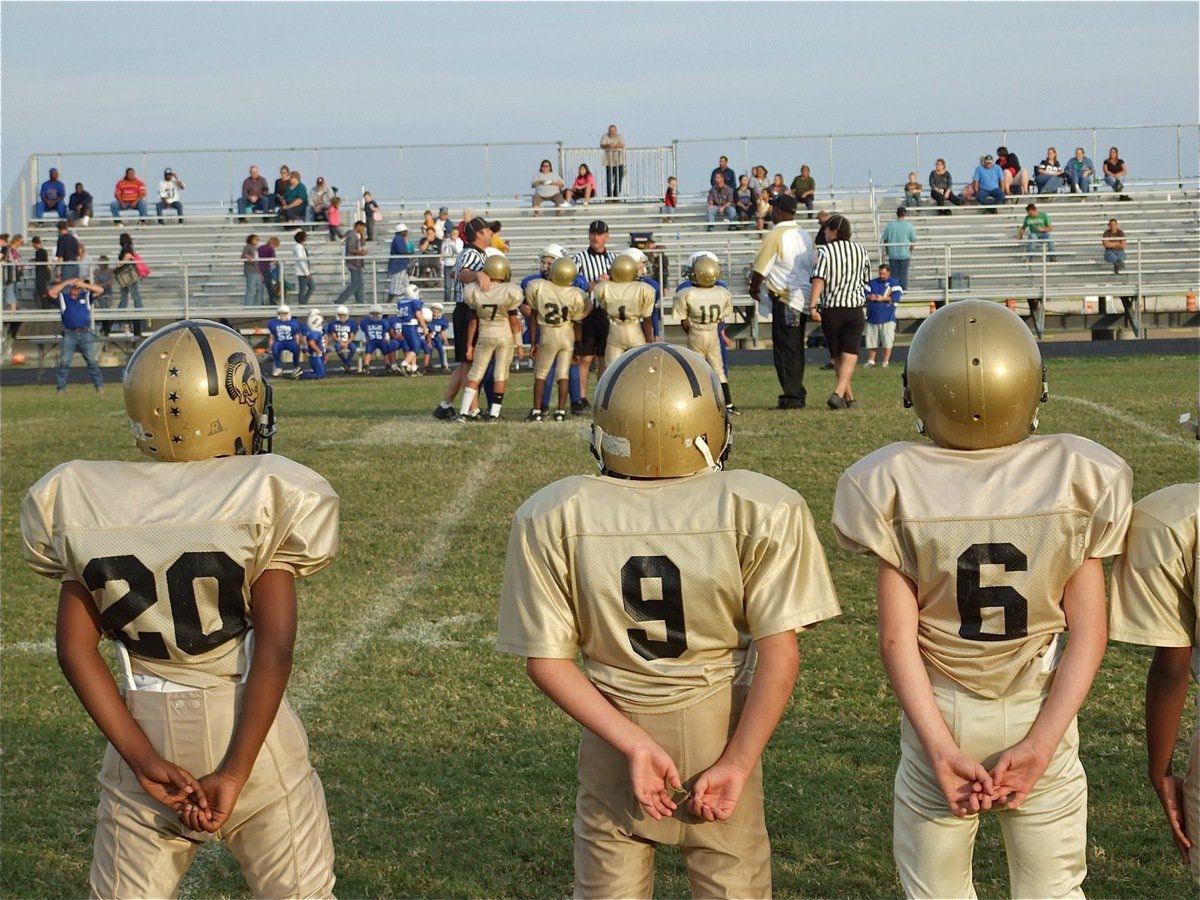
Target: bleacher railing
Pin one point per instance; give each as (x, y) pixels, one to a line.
(481, 175)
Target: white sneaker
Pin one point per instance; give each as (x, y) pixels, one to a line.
(886, 363)
(276, 372)
(870, 364)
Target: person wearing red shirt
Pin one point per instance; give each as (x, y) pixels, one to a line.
(130, 193)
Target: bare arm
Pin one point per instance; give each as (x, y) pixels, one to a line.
(273, 600)
(651, 769)
(1166, 695)
(77, 636)
(719, 787)
(965, 783)
(1020, 766)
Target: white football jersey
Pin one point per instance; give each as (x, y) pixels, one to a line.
(556, 306)
(625, 301)
(664, 584)
(990, 537)
(704, 308)
(492, 308)
(169, 550)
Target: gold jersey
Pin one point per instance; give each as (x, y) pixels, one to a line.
(556, 306)
(1155, 594)
(492, 308)
(704, 308)
(990, 537)
(625, 301)
(169, 550)
(662, 585)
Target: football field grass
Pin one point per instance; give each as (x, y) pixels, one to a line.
(447, 773)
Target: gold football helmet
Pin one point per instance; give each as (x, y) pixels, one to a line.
(563, 271)
(975, 377)
(705, 272)
(195, 391)
(624, 268)
(497, 267)
(660, 413)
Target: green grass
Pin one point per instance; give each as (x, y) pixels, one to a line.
(447, 773)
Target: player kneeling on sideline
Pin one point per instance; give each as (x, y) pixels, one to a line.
(701, 309)
(1155, 599)
(493, 332)
(556, 309)
(629, 304)
(976, 586)
(181, 580)
(682, 586)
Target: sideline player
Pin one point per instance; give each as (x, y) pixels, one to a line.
(412, 328)
(701, 308)
(629, 305)
(342, 330)
(492, 333)
(181, 579)
(546, 259)
(672, 578)
(556, 309)
(375, 329)
(1155, 598)
(435, 340)
(285, 334)
(316, 348)
(976, 587)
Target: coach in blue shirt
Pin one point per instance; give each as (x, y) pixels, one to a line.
(74, 298)
(989, 189)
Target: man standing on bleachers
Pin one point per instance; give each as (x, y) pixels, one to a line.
(898, 239)
(354, 252)
(66, 252)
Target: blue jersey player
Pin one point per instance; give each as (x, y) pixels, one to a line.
(435, 337)
(342, 333)
(375, 329)
(315, 347)
(411, 320)
(286, 334)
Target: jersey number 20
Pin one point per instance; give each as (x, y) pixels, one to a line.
(181, 593)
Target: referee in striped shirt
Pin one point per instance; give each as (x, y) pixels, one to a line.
(838, 296)
(593, 263)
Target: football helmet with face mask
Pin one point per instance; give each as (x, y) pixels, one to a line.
(194, 390)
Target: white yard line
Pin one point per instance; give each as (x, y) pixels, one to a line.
(1178, 437)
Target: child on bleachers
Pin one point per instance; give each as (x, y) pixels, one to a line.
(912, 191)
(333, 219)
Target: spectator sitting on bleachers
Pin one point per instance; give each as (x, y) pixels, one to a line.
(1113, 240)
(804, 188)
(444, 225)
(130, 193)
(547, 185)
(1037, 226)
(721, 201)
(912, 191)
(744, 199)
(79, 207)
(52, 196)
(168, 195)
(295, 200)
(762, 208)
(281, 186)
(758, 179)
(940, 187)
(778, 188)
(724, 171)
(584, 187)
(1016, 179)
(319, 199)
(987, 183)
(1048, 174)
(1115, 171)
(1080, 171)
(254, 193)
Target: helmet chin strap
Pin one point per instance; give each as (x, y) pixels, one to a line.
(597, 438)
(702, 446)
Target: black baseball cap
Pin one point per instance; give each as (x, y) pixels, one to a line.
(785, 203)
(598, 227)
(472, 229)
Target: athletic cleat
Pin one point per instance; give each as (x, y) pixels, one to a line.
(535, 415)
(836, 401)
(491, 420)
(560, 415)
(870, 364)
(276, 372)
(296, 373)
(445, 413)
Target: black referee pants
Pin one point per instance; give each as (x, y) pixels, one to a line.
(787, 346)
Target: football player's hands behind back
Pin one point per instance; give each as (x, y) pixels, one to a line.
(655, 778)
(221, 792)
(169, 784)
(717, 791)
(965, 783)
(1017, 772)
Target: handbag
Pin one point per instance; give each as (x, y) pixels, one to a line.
(377, 215)
(143, 270)
(126, 276)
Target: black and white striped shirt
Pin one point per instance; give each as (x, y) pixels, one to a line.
(593, 265)
(846, 269)
(470, 258)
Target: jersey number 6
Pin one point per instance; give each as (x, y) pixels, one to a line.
(972, 598)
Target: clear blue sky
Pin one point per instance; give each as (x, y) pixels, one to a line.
(80, 77)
